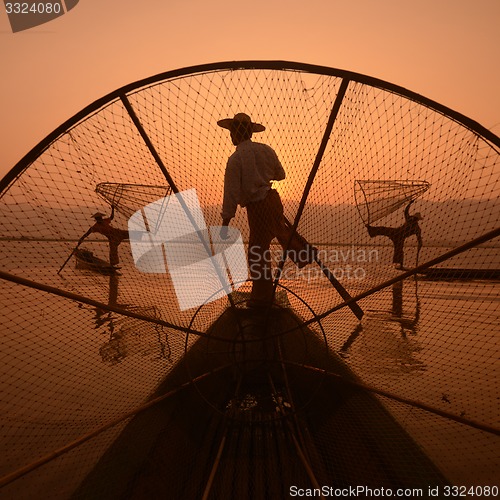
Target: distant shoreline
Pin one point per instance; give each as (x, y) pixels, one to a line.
(322, 244)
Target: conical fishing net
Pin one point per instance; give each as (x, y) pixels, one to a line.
(112, 389)
(129, 198)
(378, 199)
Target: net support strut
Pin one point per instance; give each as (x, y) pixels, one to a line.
(171, 183)
(417, 404)
(495, 233)
(13, 476)
(319, 156)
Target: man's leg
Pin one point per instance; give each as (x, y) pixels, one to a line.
(398, 252)
(113, 253)
(394, 234)
(299, 251)
(381, 231)
(259, 258)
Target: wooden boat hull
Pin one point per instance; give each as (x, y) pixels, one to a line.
(86, 260)
(448, 273)
(198, 444)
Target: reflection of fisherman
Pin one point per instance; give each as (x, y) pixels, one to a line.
(406, 323)
(115, 236)
(399, 234)
(247, 182)
(103, 316)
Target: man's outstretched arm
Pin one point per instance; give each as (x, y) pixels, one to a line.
(84, 236)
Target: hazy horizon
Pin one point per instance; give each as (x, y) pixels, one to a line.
(340, 224)
(444, 51)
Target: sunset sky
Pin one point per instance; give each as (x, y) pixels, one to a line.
(447, 50)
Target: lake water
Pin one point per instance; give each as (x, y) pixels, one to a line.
(67, 368)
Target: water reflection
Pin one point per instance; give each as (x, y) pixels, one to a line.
(386, 340)
(103, 317)
(409, 324)
(129, 336)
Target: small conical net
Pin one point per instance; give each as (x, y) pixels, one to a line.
(378, 199)
(111, 389)
(129, 198)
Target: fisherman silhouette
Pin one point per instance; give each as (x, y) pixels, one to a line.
(247, 182)
(398, 235)
(115, 236)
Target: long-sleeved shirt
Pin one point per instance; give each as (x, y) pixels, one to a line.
(249, 172)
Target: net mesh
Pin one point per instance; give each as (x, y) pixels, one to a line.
(129, 198)
(416, 381)
(378, 199)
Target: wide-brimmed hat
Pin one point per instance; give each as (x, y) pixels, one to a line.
(243, 119)
(98, 215)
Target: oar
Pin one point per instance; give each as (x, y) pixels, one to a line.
(340, 289)
(358, 312)
(67, 260)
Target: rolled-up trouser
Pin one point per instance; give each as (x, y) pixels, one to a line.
(114, 243)
(266, 221)
(113, 253)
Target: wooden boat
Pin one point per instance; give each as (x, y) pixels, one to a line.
(449, 273)
(85, 259)
(265, 418)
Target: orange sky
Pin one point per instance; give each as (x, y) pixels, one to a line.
(446, 50)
